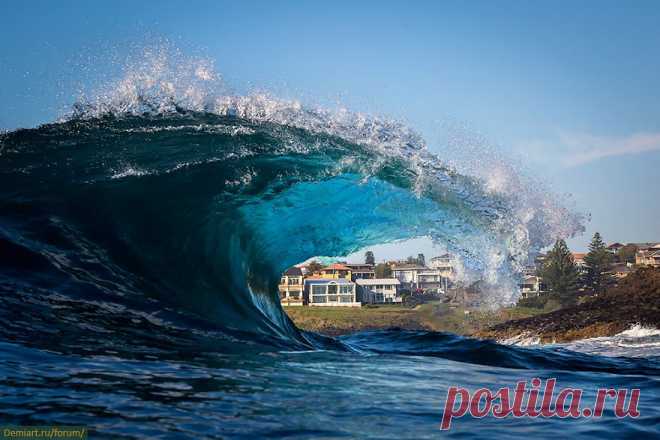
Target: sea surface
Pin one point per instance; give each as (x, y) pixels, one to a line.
(140, 252)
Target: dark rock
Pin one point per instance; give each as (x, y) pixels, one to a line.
(636, 300)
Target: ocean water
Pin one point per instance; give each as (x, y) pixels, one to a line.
(141, 243)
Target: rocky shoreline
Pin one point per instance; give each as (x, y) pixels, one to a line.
(636, 300)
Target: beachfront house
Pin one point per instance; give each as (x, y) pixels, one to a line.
(648, 254)
(336, 271)
(406, 274)
(432, 281)
(291, 287)
(614, 248)
(531, 285)
(321, 291)
(378, 290)
(580, 264)
(415, 277)
(361, 271)
(444, 264)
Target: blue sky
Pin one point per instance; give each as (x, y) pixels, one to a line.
(569, 88)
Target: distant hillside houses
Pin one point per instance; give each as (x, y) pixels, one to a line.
(625, 259)
(531, 285)
(648, 254)
(578, 258)
(352, 285)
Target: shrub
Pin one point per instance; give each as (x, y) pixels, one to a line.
(534, 302)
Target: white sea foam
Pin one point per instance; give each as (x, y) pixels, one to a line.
(637, 341)
(639, 331)
(129, 171)
(524, 340)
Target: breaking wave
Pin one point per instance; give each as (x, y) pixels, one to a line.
(159, 194)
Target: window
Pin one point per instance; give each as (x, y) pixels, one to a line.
(318, 290)
(319, 299)
(346, 298)
(345, 289)
(332, 288)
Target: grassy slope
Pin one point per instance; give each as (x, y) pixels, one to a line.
(340, 320)
(455, 320)
(433, 316)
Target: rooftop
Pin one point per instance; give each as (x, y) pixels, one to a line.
(378, 281)
(426, 270)
(407, 266)
(293, 272)
(361, 267)
(319, 280)
(442, 257)
(645, 246)
(336, 266)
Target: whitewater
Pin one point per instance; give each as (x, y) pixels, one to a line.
(141, 240)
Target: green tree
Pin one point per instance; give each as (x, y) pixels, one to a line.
(314, 266)
(369, 258)
(559, 273)
(383, 271)
(627, 253)
(420, 260)
(598, 262)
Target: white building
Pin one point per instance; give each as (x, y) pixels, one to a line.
(445, 264)
(330, 292)
(648, 254)
(415, 277)
(433, 280)
(378, 290)
(291, 287)
(531, 286)
(406, 273)
(580, 264)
